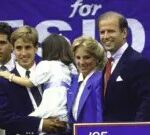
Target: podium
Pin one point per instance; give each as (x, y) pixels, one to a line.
(127, 128)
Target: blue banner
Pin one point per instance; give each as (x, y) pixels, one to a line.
(73, 18)
(140, 128)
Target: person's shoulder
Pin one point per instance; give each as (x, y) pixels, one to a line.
(51, 62)
(95, 80)
(135, 56)
(139, 57)
(4, 82)
(97, 74)
(74, 76)
(44, 64)
(96, 77)
(138, 61)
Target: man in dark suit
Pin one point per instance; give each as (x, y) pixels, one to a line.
(16, 102)
(6, 59)
(127, 94)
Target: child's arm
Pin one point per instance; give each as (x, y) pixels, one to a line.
(23, 81)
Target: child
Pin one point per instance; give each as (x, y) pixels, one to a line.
(54, 72)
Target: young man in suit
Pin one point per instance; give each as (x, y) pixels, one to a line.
(16, 102)
(127, 94)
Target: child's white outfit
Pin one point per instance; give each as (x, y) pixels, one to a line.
(56, 77)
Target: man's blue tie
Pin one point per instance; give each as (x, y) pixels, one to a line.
(35, 91)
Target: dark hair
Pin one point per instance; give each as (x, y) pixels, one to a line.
(5, 28)
(123, 24)
(56, 47)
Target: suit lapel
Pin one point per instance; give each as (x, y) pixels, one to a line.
(15, 71)
(84, 95)
(22, 92)
(123, 62)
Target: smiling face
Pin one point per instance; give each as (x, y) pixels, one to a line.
(111, 36)
(24, 52)
(85, 62)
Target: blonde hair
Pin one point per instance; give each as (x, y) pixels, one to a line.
(93, 47)
(26, 33)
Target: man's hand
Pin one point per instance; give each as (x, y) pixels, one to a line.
(53, 125)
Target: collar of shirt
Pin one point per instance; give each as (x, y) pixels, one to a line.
(120, 51)
(116, 57)
(22, 70)
(82, 79)
(10, 65)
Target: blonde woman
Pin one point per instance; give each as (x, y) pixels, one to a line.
(84, 97)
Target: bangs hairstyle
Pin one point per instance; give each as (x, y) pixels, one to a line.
(26, 33)
(92, 47)
(56, 47)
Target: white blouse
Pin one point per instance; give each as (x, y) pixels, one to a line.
(56, 77)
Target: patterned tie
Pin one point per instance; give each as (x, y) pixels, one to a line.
(107, 73)
(3, 68)
(35, 91)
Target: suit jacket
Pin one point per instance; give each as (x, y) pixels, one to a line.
(90, 109)
(128, 90)
(15, 105)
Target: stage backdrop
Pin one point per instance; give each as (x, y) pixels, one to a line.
(73, 18)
